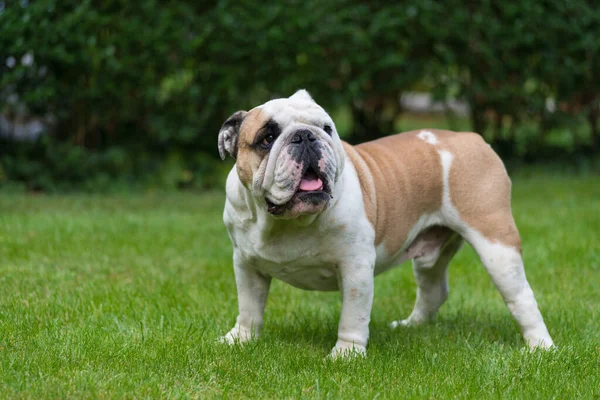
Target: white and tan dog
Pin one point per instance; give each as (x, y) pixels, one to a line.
(304, 207)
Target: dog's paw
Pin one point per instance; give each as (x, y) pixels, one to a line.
(539, 343)
(347, 350)
(400, 322)
(236, 336)
(227, 339)
(408, 322)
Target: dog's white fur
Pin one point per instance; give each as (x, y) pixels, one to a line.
(335, 248)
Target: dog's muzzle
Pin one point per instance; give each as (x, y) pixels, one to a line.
(306, 167)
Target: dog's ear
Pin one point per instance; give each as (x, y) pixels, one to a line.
(302, 94)
(228, 134)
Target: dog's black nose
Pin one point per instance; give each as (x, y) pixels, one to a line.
(302, 136)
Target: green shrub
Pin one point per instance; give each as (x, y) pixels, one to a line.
(139, 89)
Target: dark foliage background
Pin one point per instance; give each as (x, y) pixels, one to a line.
(133, 93)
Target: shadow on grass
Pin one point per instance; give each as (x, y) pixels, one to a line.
(318, 332)
(470, 330)
(464, 330)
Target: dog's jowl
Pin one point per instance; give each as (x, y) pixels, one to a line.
(306, 208)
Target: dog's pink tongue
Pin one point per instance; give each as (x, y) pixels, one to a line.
(310, 181)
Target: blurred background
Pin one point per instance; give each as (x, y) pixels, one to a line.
(114, 95)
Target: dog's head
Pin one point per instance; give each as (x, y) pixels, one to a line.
(288, 154)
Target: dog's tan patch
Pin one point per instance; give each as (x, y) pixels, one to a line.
(248, 159)
(367, 184)
(401, 179)
(480, 189)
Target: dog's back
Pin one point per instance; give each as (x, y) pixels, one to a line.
(419, 169)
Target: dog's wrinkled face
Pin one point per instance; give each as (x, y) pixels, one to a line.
(287, 152)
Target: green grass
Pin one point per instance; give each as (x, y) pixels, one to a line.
(111, 297)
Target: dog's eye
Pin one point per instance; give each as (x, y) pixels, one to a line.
(267, 142)
(327, 129)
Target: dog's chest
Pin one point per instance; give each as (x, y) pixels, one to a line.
(300, 260)
(309, 274)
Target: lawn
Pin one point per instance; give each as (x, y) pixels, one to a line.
(124, 296)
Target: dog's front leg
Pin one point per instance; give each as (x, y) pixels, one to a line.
(355, 281)
(253, 290)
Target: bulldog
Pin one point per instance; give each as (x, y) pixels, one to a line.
(313, 211)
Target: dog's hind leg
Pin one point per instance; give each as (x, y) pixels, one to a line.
(504, 264)
(436, 248)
